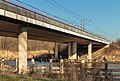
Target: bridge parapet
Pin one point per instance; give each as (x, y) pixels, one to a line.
(9, 6)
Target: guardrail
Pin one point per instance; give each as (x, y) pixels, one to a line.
(7, 5)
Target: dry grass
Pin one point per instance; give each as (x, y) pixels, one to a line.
(9, 48)
(22, 78)
(111, 53)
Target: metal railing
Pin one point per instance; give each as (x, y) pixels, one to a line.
(7, 5)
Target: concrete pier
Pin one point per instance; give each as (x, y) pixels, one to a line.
(56, 50)
(72, 50)
(89, 52)
(22, 50)
(69, 50)
(43, 28)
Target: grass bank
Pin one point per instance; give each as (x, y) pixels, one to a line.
(22, 78)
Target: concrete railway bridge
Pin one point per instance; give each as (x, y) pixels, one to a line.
(22, 23)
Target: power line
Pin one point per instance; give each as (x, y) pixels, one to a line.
(101, 29)
(62, 9)
(45, 12)
(68, 11)
(27, 5)
(80, 17)
(104, 34)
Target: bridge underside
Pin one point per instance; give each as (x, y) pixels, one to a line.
(11, 29)
(23, 31)
(22, 23)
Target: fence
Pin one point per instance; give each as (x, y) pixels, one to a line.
(66, 70)
(74, 71)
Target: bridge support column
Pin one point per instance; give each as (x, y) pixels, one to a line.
(72, 50)
(22, 50)
(69, 50)
(89, 52)
(56, 50)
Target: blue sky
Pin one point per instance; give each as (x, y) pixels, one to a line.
(104, 13)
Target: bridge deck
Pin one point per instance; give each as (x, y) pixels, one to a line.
(11, 7)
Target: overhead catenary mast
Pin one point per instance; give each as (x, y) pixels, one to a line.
(82, 24)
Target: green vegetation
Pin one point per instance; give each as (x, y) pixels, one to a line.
(22, 78)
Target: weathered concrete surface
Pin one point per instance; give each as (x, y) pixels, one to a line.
(56, 50)
(23, 50)
(90, 52)
(72, 50)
